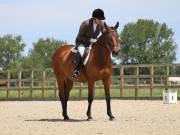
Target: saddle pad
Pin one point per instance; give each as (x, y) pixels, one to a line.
(81, 50)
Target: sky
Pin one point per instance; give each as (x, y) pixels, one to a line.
(60, 19)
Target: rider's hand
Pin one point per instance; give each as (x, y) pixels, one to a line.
(93, 40)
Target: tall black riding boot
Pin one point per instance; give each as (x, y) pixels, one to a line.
(76, 66)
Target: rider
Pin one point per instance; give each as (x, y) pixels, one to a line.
(88, 33)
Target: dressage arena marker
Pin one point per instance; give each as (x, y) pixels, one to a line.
(170, 95)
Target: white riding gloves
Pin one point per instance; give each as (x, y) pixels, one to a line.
(93, 40)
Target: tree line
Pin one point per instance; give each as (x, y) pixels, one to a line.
(142, 42)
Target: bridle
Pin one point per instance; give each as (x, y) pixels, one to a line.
(109, 46)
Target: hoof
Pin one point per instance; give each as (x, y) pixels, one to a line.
(89, 118)
(111, 118)
(66, 118)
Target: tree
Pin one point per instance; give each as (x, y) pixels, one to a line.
(43, 49)
(147, 42)
(11, 48)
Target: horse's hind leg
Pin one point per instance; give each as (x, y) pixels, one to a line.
(64, 90)
(68, 87)
(62, 95)
(90, 98)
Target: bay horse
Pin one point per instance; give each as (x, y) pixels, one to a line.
(98, 67)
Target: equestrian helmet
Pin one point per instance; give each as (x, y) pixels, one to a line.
(99, 14)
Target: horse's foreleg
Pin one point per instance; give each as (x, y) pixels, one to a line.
(106, 83)
(90, 98)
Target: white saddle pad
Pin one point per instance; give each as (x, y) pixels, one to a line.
(81, 49)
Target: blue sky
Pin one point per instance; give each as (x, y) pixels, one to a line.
(60, 19)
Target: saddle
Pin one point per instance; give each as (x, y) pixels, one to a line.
(84, 52)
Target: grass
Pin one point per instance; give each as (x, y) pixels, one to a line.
(2, 94)
(37, 94)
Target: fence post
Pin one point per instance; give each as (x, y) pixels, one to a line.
(121, 80)
(8, 84)
(55, 90)
(19, 82)
(137, 82)
(167, 76)
(152, 80)
(80, 90)
(32, 82)
(43, 81)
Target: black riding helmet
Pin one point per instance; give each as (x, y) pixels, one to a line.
(99, 14)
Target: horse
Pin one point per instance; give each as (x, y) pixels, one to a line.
(98, 67)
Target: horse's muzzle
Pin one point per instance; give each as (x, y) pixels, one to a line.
(115, 50)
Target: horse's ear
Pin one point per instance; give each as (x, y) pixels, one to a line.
(117, 25)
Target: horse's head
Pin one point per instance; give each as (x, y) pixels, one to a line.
(112, 38)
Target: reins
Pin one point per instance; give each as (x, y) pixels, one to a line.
(104, 34)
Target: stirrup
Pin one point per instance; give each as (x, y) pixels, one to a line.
(75, 75)
(75, 78)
